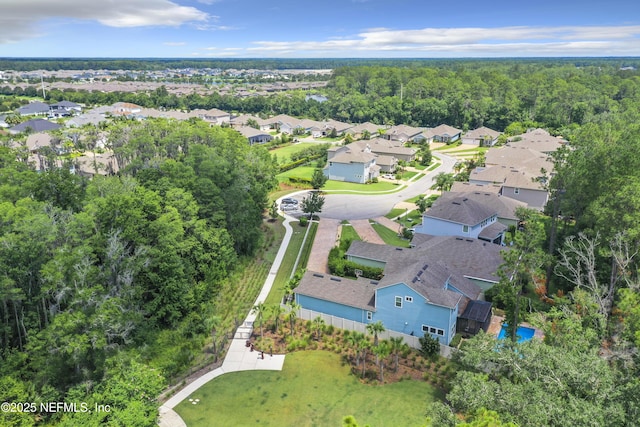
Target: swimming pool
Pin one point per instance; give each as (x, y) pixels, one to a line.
(523, 333)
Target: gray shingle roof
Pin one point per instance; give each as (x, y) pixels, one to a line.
(460, 209)
(503, 206)
(358, 293)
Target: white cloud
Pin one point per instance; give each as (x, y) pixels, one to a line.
(476, 42)
(18, 20)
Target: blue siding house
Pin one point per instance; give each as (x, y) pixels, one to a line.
(351, 165)
(459, 214)
(418, 293)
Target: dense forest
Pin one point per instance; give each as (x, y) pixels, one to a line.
(115, 278)
(108, 285)
(149, 64)
(467, 95)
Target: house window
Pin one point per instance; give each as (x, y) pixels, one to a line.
(465, 228)
(516, 191)
(369, 315)
(432, 330)
(408, 299)
(399, 302)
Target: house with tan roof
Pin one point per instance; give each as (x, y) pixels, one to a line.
(538, 140)
(255, 136)
(243, 119)
(404, 133)
(481, 137)
(358, 131)
(213, 115)
(442, 133)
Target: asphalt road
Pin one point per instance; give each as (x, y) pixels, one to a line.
(359, 206)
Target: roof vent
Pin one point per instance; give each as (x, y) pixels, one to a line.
(317, 275)
(424, 267)
(335, 279)
(398, 249)
(469, 240)
(374, 282)
(459, 238)
(419, 273)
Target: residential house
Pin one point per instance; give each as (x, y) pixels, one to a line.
(404, 133)
(358, 131)
(244, 119)
(93, 164)
(34, 125)
(328, 126)
(456, 214)
(255, 136)
(34, 108)
(64, 108)
(442, 133)
(123, 109)
(518, 184)
(537, 139)
(421, 292)
(214, 116)
(385, 147)
(505, 207)
(481, 137)
(352, 164)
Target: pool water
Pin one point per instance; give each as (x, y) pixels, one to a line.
(523, 333)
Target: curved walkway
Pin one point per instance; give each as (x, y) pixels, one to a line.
(239, 357)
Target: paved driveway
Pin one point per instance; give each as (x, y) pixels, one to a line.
(326, 238)
(366, 231)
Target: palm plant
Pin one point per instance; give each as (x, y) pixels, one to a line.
(277, 311)
(382, 351)
(397, 345)
(260, 311)
(374, 329)
(212, 323)
(318, 324)
(292, 315)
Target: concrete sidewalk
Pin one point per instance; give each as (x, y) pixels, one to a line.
(239, 357)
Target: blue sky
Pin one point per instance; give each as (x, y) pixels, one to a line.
(323, 28)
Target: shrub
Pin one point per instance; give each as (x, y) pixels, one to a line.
(304, 221)
(429, 346)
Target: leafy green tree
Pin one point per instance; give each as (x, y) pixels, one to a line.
(312, 203)
(422, 203)
(318, 179)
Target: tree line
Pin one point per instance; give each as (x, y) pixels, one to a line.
(107, 285)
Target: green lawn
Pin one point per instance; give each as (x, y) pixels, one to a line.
(348, 233)
(299, 172)
(390, 237)
(395, 212)
(338, 186)
(411, 220)
(314, 389)
(284, 272)
(365, 188)
(284, 153)
(433, 166)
